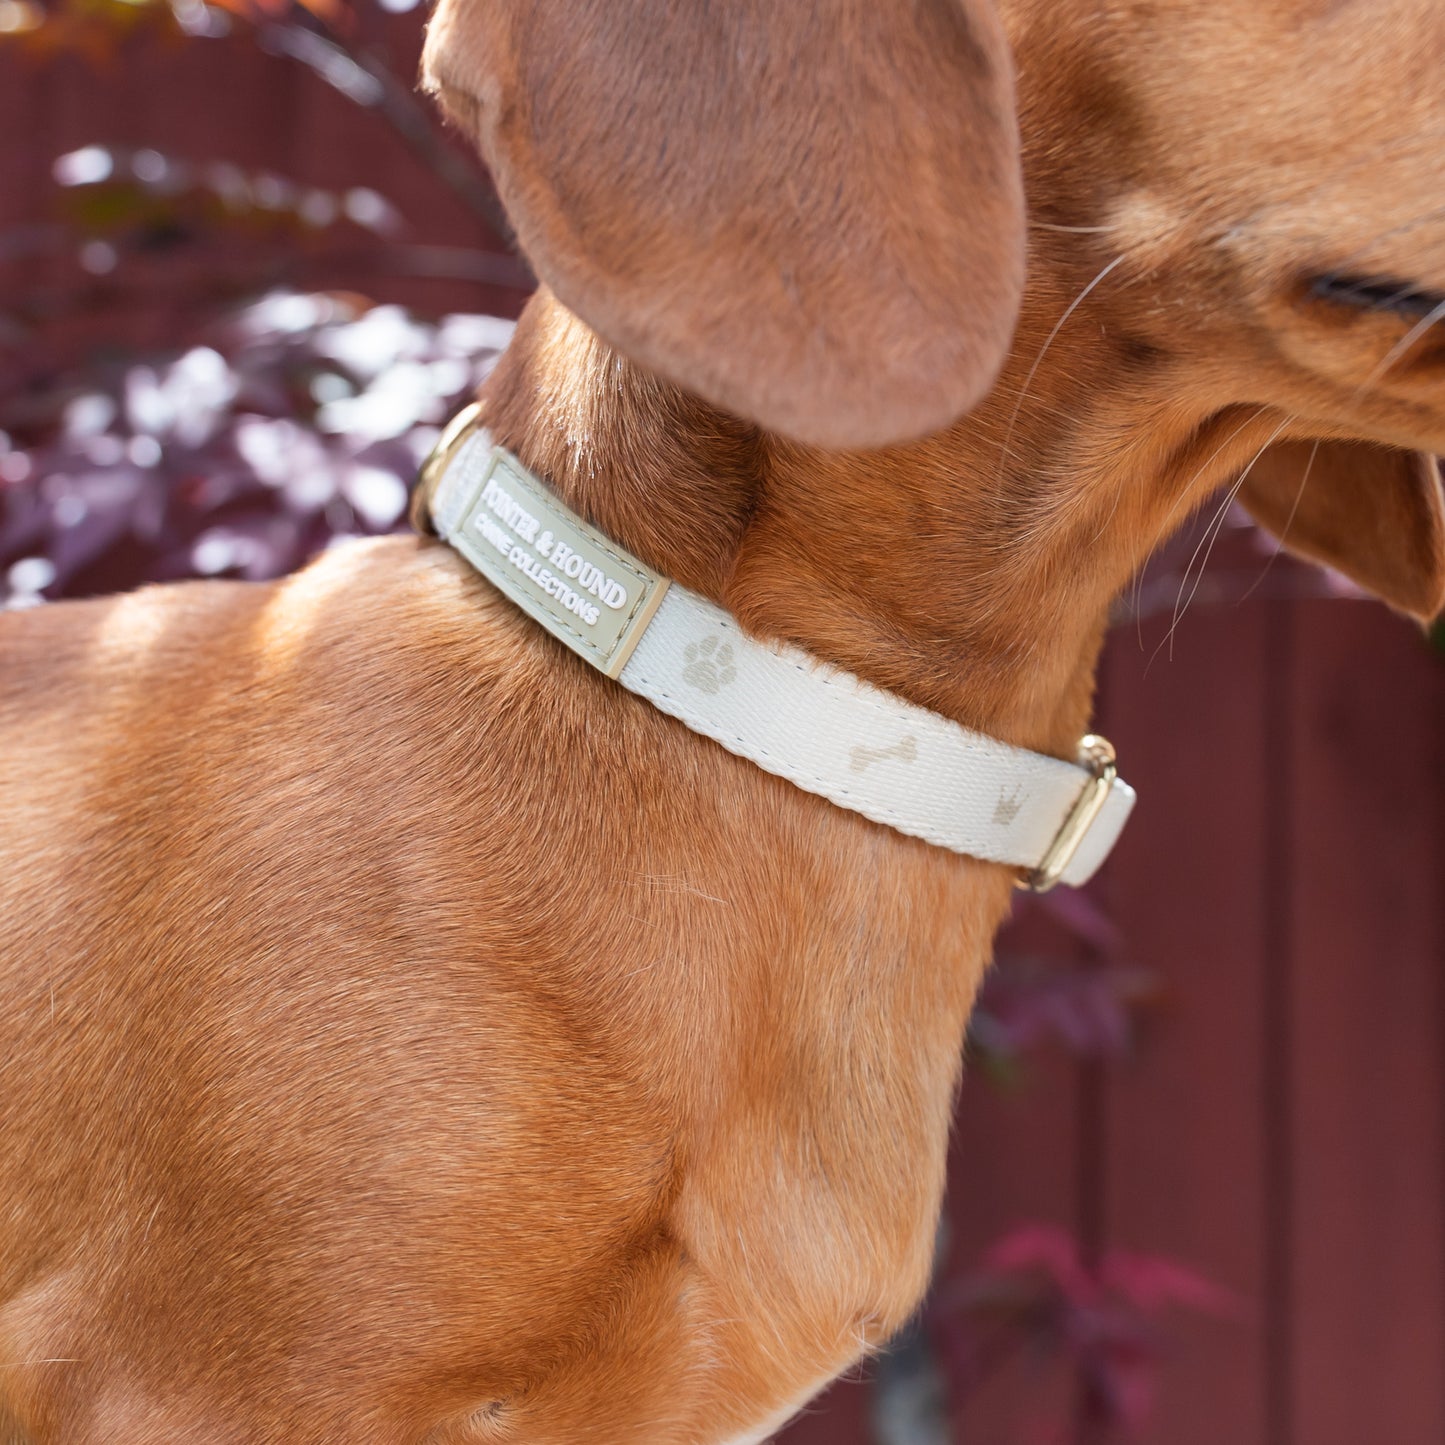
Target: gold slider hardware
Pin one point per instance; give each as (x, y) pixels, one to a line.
(1097, 755)
(448, 444)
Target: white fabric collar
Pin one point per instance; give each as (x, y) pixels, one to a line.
(823, 729)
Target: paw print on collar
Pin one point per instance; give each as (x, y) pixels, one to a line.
(708, 666)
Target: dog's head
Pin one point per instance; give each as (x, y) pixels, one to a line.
(1263, 174)
(810, 216)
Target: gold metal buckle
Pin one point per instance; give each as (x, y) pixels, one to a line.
(1097, 755)
(448, 444)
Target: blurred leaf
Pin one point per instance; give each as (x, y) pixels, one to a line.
(91, 29)
(1035, 1292)
(1028, 1001)
(230, 457)
(330, 10)
(19, 17)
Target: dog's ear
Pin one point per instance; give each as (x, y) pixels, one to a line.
(1373, 513)
(809, 214)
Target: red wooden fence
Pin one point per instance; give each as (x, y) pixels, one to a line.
(1281, 1123)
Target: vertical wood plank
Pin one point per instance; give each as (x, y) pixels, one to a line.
(208, 102)
(23, 163)
(214, 100)
(1185, 1159)
(1015, 1161)
(76, 106)
(340, 145)
(230, 101)
(1367, 725)
(1277, 1006)
(22, 168)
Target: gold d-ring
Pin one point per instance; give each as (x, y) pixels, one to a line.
(448, 444)
(1097, 755)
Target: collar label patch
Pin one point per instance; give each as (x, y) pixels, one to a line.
(555, 567)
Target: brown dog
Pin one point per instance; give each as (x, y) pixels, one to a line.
(408, 1036)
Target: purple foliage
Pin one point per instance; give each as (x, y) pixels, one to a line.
(1035, 1292)
(299, 421)
(1029, 1001)
(1073, 987)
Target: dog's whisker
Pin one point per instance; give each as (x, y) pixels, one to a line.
(1183, 496)
(1285, 530)
(1208, 540)
(1401, 347)
(1181, 604)
(1043, 352)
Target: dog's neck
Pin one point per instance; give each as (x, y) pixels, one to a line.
(971, 572)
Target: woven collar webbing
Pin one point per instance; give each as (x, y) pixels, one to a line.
(824, 730)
